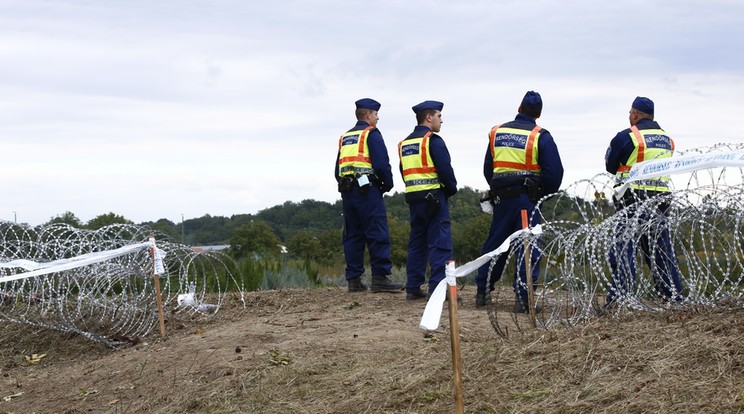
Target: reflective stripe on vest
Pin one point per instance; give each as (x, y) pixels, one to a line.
(353, 156)
(419, 172)
(650, 144)
(514, 150)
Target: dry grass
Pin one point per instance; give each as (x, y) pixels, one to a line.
(328, 351)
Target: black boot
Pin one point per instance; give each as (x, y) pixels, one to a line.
(521, 306)
(356, 285)
(383, 284)
(415, 295)
(482, 299)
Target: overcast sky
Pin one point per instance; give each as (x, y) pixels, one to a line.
(157, 109)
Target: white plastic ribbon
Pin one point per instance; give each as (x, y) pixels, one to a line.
(433, 311)
(157, 258)
(38, 269)
(678, 165)
(159, 266)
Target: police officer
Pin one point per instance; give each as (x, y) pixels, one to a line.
(363, 174)
(522, 164)
(430, 181)
(644, 140)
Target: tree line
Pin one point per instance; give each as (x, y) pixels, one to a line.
(310, 230)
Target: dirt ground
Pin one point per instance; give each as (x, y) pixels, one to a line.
(329, 351)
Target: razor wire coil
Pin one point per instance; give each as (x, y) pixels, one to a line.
(582, 227)
(114, 300)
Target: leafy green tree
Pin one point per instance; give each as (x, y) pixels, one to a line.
(396, 206)
(255, 238)
(331, 250)
(399, 231)
(166, 227)
(305, 245)
(468, 237)
(290, 217)
(465, 205)
(207, 230)
(237, 220)
(104, 220)
(66, 218)
(568, 208)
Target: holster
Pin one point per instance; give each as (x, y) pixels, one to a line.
(491, 198)
(346, 184)
(632, 196)
(534, 189)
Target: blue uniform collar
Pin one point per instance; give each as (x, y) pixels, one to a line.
(525, 118)
(646, 123)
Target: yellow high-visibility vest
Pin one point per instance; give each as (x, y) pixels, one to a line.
(353, 156)
(650, 144)
(419, 172)
(514, 150)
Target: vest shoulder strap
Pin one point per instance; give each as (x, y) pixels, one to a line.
(641, 143)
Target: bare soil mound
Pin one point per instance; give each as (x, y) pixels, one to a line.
(329, 351)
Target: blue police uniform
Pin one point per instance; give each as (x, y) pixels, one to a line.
(430, 239)
(365, 218)
(621, 154)
(512, 196)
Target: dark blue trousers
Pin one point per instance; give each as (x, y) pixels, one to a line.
(507, 218)
(659, 256)
(430, 242)
(365, 225)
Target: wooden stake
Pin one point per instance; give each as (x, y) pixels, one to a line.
(158, 297)
(528, 271)
(455, 343)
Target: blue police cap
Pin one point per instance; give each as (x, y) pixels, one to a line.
(643, 104)
(427, 105)
(366, 103)
(531, 104)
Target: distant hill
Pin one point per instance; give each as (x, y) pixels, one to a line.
(291, 217)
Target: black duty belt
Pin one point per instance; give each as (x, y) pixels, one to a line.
(509, 192)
